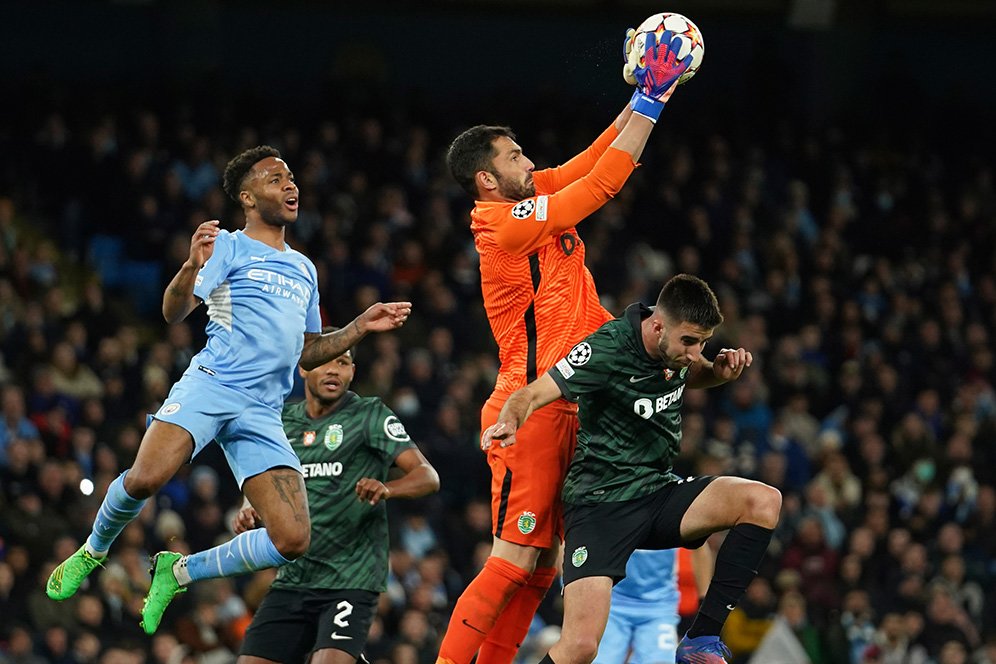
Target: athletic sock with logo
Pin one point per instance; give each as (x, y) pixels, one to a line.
(246, 552)
(116, 511)
(736, 566)
(478, 609)
(513, 624)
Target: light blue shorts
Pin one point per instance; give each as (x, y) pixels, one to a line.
(647, 632)
(250, 432)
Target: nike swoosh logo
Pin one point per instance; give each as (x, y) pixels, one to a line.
(730, 607)
(634, 379)
(467, 624)
(339, 637)
(257, 258)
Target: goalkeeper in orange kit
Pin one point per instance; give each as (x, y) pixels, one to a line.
(540, 301)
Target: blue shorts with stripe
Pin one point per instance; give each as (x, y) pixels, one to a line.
(249, 432)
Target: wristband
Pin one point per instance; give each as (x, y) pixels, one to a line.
(646, 106)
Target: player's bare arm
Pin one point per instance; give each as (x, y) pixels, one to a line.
(623, 118)
(519, 406)
(380, 317)
(418, 479)
(179, 300)
(633, 136)
(728, 365)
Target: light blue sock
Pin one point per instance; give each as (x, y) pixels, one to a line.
(246, 552)
(116, 512)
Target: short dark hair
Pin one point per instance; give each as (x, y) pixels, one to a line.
(238, 168)
(473, 151)
(688, 299)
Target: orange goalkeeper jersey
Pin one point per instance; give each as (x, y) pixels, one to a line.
(539, 296)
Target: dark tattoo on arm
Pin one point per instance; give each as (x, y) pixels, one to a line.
(290, 488)
(329, 346)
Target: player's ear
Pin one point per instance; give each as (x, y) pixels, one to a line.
(486, 181)
(247, 199)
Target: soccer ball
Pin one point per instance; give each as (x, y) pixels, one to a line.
(691, 38)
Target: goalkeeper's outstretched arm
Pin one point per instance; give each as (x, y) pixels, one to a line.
(550, 180)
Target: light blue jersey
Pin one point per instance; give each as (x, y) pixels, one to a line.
(260, 302)
(643, 619)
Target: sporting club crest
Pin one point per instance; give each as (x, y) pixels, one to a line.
(579, 556)
(333, 437)
(527, 522)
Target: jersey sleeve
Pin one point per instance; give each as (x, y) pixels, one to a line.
(386, 434)
(554, 179)
(217, 268)
(587, 367)
(313, 317)
(532, 221)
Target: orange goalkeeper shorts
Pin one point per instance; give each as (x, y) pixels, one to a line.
(526, 478)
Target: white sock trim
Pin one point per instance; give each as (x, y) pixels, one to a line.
(181, 572)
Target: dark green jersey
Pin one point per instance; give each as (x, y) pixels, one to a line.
(349, 541)
(629, 408)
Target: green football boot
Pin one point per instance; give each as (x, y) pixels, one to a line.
(66, 579)
(163, 589)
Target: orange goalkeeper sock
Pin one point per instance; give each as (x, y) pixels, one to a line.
(478, 609)
(513, 624)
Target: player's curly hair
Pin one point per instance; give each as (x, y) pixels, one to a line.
(239, 167)
(473, 151)
(688, 299)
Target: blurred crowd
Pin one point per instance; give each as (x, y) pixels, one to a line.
(859, 272)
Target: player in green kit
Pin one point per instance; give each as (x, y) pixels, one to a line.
(323, 603)
(620, 493)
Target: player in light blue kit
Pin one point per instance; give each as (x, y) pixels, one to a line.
(262, 302)
(643, 618)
